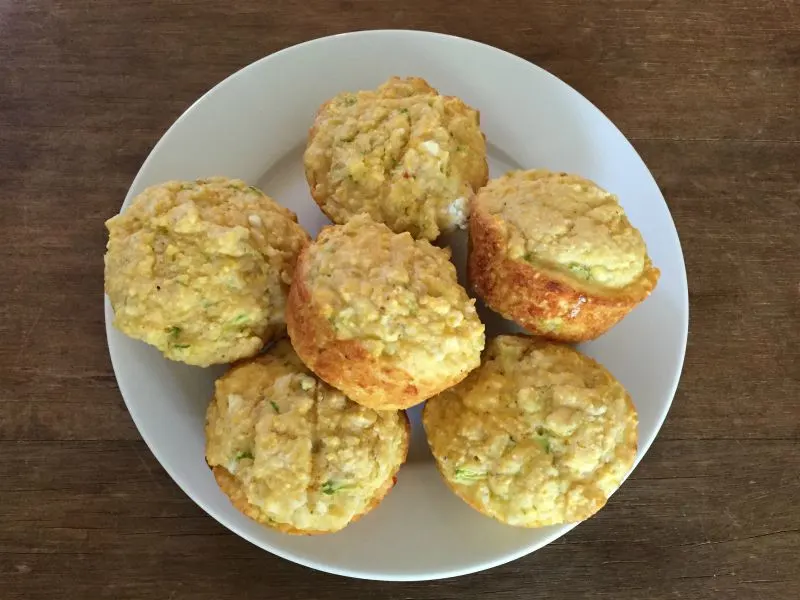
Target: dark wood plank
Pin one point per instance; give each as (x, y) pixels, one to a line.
(737, 209)
(130, 529)
(708, 92)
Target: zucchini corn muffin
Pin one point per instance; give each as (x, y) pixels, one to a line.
(556, 254)
(295, 454)
(201, 270)
(381, 316)
(403, 153)
(538, 435)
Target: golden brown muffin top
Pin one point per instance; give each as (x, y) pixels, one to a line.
(406, 155)
(539, 434)
(568, 223)
(201, 269)
(397, 296)
(304, 454)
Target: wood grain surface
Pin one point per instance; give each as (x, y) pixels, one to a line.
(708, 92)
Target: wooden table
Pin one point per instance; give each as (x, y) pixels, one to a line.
(708, 92)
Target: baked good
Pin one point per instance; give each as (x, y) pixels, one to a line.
(406, 155)
(556, 254)
(295, 454)
(381, 316)
(538, 435)
(201, 269)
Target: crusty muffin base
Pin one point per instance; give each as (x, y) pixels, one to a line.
(534, 297)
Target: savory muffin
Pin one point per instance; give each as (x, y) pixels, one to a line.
(295, 454)
(556, 254)
(381, 316)
(538, 435)
(201, 269)
(406, 155)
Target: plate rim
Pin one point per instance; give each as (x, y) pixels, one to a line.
(684, 308)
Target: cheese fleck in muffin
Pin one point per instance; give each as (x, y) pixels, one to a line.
(201, 269)
(295, 454)
(381, 316)
(403, 153)
(538, 435)
(556, 253)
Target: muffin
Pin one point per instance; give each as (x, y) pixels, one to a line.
(381, 316)
(295, 454)
(538, 435)
(404, 154)
(556, 254)
(201, 270)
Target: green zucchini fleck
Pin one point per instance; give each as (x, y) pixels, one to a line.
(544, 443)
(330, 487)
(465, 475)
(580, 270)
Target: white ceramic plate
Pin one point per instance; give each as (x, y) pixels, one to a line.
(253, 125)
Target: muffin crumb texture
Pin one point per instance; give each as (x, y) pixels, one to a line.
(538, 435)
(556, 254)
(406, 155)
(294, 453)
(397, 298)
(201, 270)
(566, 222)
